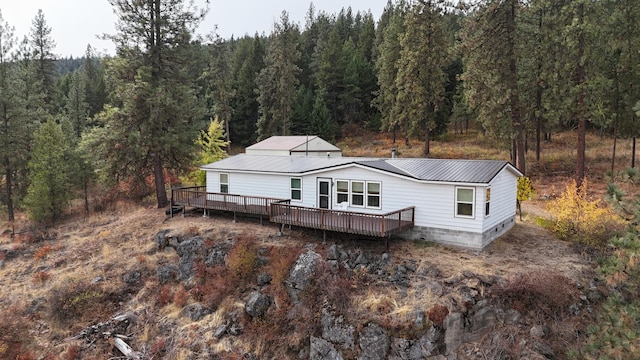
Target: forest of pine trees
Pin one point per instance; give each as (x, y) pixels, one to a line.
(516, 70)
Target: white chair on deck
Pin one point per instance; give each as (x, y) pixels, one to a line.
(343, 206)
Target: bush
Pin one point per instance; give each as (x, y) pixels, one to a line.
(75, 301)
(242, 260)
(545, 291)
(437, 314)
(578, 218)
(12, 333)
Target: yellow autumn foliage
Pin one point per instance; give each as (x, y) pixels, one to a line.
(579, 218)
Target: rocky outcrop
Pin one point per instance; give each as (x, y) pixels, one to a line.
(257, 304)
(302, 273)
(336, 330)
(374, 343)
(321, 349)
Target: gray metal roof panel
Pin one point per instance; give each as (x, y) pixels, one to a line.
(439, 170)
(281, 142)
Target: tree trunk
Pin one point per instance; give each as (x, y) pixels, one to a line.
(158, 174)
(427, 140)
(513, 89)
(633, 153)
(9, 188)
(582, 124)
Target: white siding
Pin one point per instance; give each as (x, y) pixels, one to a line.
(435, 203)
(503, 199)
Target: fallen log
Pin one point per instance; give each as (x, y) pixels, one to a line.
(125, 349)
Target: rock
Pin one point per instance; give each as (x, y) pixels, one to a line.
(482, 321)
(332, 253)
(426, 346)
(434, 288)
(454, 332)
(419, 319)
(167, 273)
(302, 273)
(512, 317)
(1, 264)
(543, 349)
(220, 331)
(132, 277)
(537, 331)
(36, 305)
(235, 329)
(218, 253)
(264, 279)
(321, 349)
(374, 343)
(399, 349)
(161, 239)
(189, 251)
(257, 305)
(335, 330)
(96, 280)
(194, 311)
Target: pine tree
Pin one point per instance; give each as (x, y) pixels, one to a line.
(158, 112)
(77, 108)
(278, 80)
(43, 46)
(220, 78)
(421, 79)
(49, 192)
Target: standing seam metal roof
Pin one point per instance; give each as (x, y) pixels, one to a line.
(437, 170)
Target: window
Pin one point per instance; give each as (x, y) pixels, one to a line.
(296, 189)
(464, 202)
(357, 193)
(486, 202)
(373, 194)
(224, 183)
(342, 190)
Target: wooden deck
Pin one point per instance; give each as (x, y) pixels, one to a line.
(197, 197)
(280, 211)
(377, 225)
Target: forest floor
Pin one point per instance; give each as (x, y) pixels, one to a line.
(106, 248)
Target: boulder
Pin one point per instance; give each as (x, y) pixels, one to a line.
(336, 330)
(454, 332)
(321, 349)
(302, 273)
(426, 346)
(194, 311)
(257, 305)
(132, 278)
(218, 253)
(264, 279)
(162, 239)
(189, 251)
(374, 343)
(167, 273)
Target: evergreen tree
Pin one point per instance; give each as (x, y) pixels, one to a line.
(49, 192)
(77, 108)
(420, 79)
(211, 145)
(158, 112)
(95, 85)
(43, 46)
(220, 78)
(277, 82)
(387, 68)
(248, 62)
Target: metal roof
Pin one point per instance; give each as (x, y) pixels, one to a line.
(437, 170)
(290, 143)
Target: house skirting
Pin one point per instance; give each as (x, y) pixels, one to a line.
(466, 239)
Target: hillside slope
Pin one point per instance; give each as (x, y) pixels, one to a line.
(193, 287)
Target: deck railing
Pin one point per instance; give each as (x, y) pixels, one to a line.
(379, 225)
(198, 197)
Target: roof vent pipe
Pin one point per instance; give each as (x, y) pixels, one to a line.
(393, 153)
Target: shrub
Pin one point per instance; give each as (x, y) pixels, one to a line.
(42, 252)
(41, 277)
(75, 300)
(578, 218)
(12, 333)
(545, 291)
(181, 297)
(242, 259)
(165, 295)
(437, 314)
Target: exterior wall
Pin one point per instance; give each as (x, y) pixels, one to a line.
(503, 200)
(435, 218)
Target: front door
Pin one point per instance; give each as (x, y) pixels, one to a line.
(324, 193)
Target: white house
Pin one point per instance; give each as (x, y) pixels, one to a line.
(466, 203)
(310, 145)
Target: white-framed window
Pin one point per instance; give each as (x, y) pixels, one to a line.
(342, 191)
(224, 183)
(373, 195)
(487, 201)
(357, 193)
(464, 201)
(296, 189)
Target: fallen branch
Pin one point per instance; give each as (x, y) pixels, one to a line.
(125, 349)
